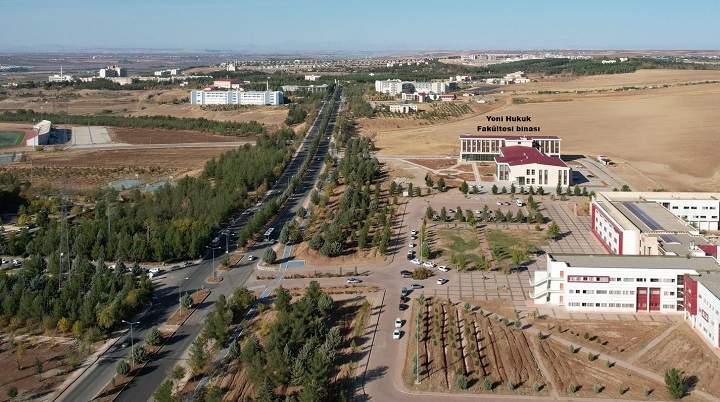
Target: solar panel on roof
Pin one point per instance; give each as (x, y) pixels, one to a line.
(644, 218)
(668, 239)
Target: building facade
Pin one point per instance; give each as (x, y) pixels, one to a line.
(487, 147)
(526, 166)
(199, 97)
(702, 305)
(613, 283)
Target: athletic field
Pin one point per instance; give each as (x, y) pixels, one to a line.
(11, 138)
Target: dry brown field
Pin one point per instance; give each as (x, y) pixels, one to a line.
(158, 136)
(665, 133)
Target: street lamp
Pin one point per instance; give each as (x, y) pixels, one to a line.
(132, 341)
(180, 292)
(213, 258)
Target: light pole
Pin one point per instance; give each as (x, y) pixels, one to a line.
(180, 292)
(213, 258)
(132, 341)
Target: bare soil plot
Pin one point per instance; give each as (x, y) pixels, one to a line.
(576, 368)
(87, 169)
(434, 164)
(54, 355)
(157, 136)
(683, 349)
(618, 338)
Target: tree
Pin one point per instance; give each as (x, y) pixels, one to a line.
(269, 256)
(282, 299)
(410, 190)
(675, 383)
(441, 184)
(284, 236)
(177, 373)
(154, 337)
(213, 393)
(198, 358)
(503, 190)
(577, 192)
(428, 180)
(164, 393)
(512, 188)
(462, 381)
(122, 368)
(494, 189)
(553, 230)
(558, 189)
(464, 187)
(541, 190)
(425, 250)
(393, 188)
(186, 301)
(139, 354)
(520, 216)
(443, 214)
(429, 212)
(458, 214)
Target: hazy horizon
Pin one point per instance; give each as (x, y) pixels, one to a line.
(370, 25)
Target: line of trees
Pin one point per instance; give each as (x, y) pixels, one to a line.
(238, 129)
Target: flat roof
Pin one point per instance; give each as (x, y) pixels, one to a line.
(517, 155)
(512, 137)
(711, 281)
(636, 261)
(649, 216)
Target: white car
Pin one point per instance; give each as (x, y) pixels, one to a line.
(416, 261)
(353, 280)
(499, 203)
(416, 286)
(154, 270)
(396, 334)
(251, 258)
(16, 263)
(442, 281)
(398, 322)
(4, 261)
(413, 237)
(444, 268)
(413, 232)
(411, 245)
(478, 212)
(428, 264)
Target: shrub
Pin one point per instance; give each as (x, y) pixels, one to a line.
(608, 363)
(586, 336)
(622, 390)
(461, 381)
(675, 383)
(591, 356)
(572, 388)
(12, 392)
(139, 354)
(536, 387)
(572, 349)
(518, 324)
(38, 366)
(505, 321)
(154, 337)
(269, 256)
(122, 367)
(648, 391)
(511, 385)
(597, 389)
(540, 336)
(487, 384)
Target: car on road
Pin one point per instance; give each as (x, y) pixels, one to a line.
(403, 292)
(353, 280)
(251, 258)
(154, 270)
(225, 232)
(125, 343)
(416, 261)
(499, 202)
(416, 286)
(402, 307)
(398, 322)
(443, 268)
(188, 263)
(428, 264)
(442, 281)
(174, 267)
(396, 334)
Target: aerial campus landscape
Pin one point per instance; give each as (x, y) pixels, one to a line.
(358, 211)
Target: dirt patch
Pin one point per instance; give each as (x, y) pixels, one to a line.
(434, 164)
(156, 136)
(19, 360)
(621, 339)
(683, 349)
(83, 170)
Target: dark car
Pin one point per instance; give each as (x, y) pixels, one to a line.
(402, 307)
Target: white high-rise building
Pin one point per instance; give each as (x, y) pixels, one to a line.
(199, 97)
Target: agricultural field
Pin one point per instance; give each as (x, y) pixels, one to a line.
(638, 127)
(127, 135)
(11, 138)
(463, 348)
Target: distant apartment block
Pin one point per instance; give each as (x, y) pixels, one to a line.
(215, 97)
(167, 73)
(403, 108)
(396, 87)
(112, 71)
(228, 83)
(312, 77)
(305, 88)
(60, 77)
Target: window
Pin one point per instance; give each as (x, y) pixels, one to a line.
(628, 279)
(654, 280)
(601, 292)
(640, 280)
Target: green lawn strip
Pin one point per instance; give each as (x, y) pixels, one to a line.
(11, 138)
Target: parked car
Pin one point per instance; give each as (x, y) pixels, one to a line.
(428, 264)
(411, 245)
(413, 232)
(225, 232)
(154, 270)
(4, 261)
(398, 322)
(416, 286)
(396, 334)
(251, 258)
(499, 202)
(442, 281)
(406, 275)
(444, 268)
(402, 307)
(353, 280)
(188, 263)
(413, 237)
(416, 261)
(410, 256)
(174, 267)
(478, 212)
(403, 292)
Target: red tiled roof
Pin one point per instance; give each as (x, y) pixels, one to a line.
(512, 137)
(518, 155)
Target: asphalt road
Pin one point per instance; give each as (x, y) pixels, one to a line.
(150, 377)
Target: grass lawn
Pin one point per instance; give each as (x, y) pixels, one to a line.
(459, 242)
(503, 242)
(11, 138)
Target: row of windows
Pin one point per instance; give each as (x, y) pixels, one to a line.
(666, 280)
(602, 292)
(708, 304)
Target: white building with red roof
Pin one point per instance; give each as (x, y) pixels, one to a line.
(487, 147)
(526, 166)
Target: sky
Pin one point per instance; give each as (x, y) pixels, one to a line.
(357, 25)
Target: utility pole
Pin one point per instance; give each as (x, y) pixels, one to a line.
(132, 341)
